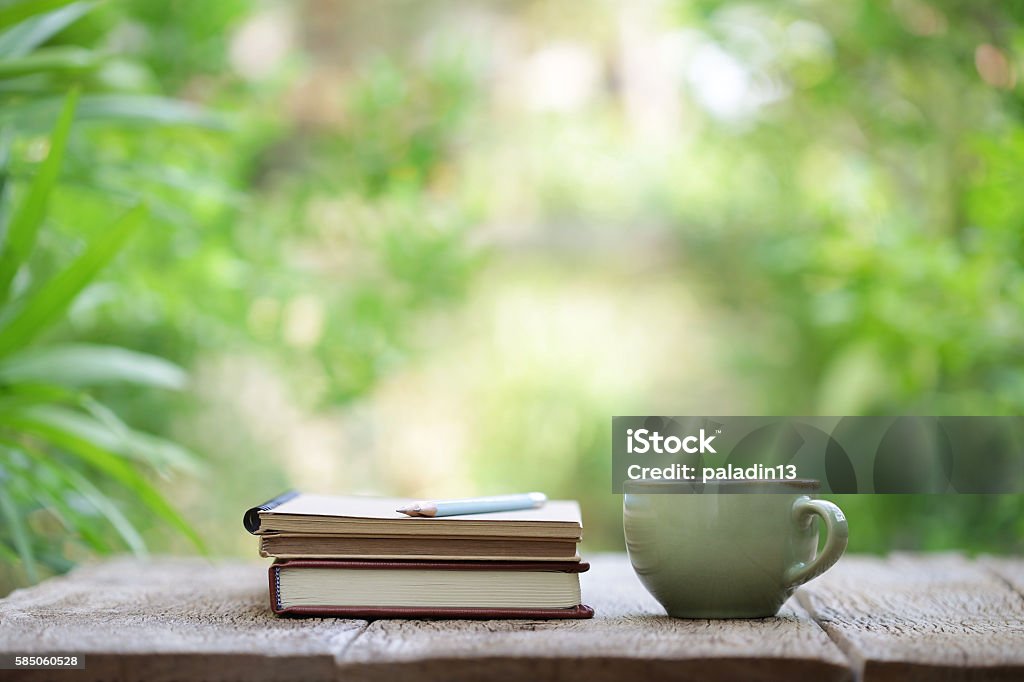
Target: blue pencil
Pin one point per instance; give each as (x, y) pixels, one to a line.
(475, 505)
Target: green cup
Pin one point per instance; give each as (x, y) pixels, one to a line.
(735, 550)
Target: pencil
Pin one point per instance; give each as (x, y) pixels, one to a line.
(474, 505)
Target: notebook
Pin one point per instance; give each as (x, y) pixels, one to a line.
(427, 589)
(292, 546)
(376, 516)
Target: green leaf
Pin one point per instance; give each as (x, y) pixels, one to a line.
(15, 12)
(5, 159)
(124, 109)
(7, 554)
(140, 445)
(52, 300)
(19, 535)
(64, 59)
(105, 506)
(149, 110)
(19, 40)
(70, 479)
(36, 85)
(63, 480)
(17, 396)
(106, 462)
(28, 216)
(49, 489)
(90, 365)
(105, 430)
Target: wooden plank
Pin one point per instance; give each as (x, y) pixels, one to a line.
(172, 619)
(630, 638)
(1009, 569)
(906, 618)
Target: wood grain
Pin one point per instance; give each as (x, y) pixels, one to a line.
(1010, 570)
(906, 618)
(902, 618)
(173, 619)
(630, 638)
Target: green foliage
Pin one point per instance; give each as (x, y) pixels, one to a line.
(846, 241)
(184, 38)
(40, 310)
(81, 365)
(355, 191)
(211, 270)
(400, 126)
(64, 456)
(871, 209)
(23, 227)
(13, 13)
(870, 244)
(20, 40)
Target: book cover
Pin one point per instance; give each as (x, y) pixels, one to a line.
(439, 610)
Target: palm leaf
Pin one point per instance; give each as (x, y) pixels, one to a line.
(18, 533)
(159, 452)
(90, 365)
(106, 462)
(105, 506)
(50, 60)
(146, 110)
(104, 429)
(15, 12)
(5, 159)
(47, 488)
(24, 226)
(19, 40)
(52, 494)
(12, 395)
(55, 296)
(69, 479)
(40, 401)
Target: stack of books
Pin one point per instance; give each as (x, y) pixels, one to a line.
(358, 557)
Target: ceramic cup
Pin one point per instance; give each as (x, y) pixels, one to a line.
(735, 550)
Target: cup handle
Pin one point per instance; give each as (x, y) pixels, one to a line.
(837, 534)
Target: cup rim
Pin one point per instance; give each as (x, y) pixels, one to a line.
(804, 484)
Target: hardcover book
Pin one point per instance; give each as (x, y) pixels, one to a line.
(427, 589)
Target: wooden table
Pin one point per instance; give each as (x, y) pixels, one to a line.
(935, 617)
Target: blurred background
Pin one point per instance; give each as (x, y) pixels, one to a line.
(429, 248)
